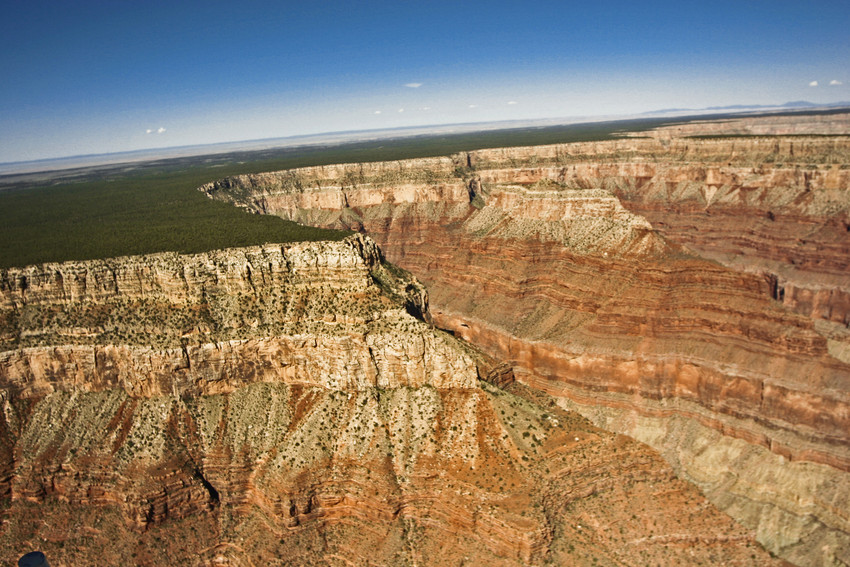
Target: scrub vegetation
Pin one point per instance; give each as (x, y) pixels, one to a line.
(134, 215)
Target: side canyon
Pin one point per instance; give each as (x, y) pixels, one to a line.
(692, 293)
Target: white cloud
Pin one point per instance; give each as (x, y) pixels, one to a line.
(148, 131)
(473, 106)
(413, 85)
(835, 82)
(377, 112)
(160, 130)
(813, 84)
(512, 102)
(400, 110)
(425, 108)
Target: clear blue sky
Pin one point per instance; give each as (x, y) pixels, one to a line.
(99, 76)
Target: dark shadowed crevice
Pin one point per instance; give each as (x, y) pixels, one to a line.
(215, 499)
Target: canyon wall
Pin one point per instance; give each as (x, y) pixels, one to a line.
(292, 404)
(645, 283)
(310, 314)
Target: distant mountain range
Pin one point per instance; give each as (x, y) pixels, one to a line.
(796, 104)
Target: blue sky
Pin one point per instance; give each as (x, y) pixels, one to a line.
(100, 76)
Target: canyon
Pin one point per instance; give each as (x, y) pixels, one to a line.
(690, 292)
(625, 352)
(295, 405)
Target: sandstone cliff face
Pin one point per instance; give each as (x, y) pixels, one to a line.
(292, 405)
(310, 476)
(165, 324)
(578, 263)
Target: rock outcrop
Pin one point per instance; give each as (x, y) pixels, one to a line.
(312, 314)
(618, 277)
(293, 405)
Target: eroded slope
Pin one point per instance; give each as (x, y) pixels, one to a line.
(289, 405)
(543, 257)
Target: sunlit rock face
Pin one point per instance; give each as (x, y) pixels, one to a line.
(658, 286)
(323, 314)
(294, 405)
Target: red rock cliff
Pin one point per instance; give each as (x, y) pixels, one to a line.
(582, 265)
(291, 404)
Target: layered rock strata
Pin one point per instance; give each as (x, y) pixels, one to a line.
(550, 258)
(817, 123)
(167, 324)
(291, 405)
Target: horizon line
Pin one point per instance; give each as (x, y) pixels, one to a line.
(7, 168)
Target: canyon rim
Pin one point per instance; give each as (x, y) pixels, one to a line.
(688, 288)
(627, 352)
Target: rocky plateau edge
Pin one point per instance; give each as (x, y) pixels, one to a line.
(291, 404)
(621, 311)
